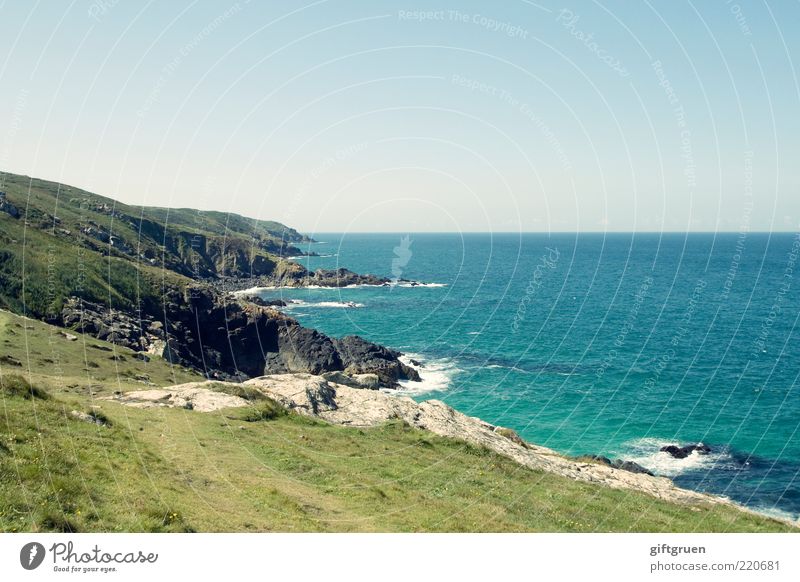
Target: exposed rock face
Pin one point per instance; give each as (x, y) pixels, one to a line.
(228, 338)
(368, 381)
(623, 465)
(264, 302)
(683, 452)
(359, 356)
(108, 325)
(338, 404)
(301, 349)
(7, 207)
(343, 278)
(193, 396)
(290, 274)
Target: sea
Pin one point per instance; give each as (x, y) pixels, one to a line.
(606, 344)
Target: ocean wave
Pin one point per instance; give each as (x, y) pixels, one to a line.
(436, 375)
(252, 290)
(405, 285)
(298, 303)
(647, 452)
(411, 284)
(771, 511)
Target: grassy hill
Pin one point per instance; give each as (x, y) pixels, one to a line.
(64, 241)
(181, 470)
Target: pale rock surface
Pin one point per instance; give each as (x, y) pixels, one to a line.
(339, 404)
(194, 395)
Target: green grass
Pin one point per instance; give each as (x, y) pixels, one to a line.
(180, 470)
(44, 356)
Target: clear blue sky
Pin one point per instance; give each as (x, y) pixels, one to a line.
(415, 116)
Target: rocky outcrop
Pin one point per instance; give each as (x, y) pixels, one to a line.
(367, 381)
(359, 356)
(304, 350)
(342, 278)
(7, 207)
(264, 302)
(197, 396)
(683, 452)
(228, 338)
(621, 464)
(290, 274)
(116, 327)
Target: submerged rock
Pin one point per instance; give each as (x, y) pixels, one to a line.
(683, 452)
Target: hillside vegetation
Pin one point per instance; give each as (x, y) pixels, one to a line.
(57, 241)
(261, 468)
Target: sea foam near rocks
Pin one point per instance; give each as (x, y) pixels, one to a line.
(647, 453)
(436, 375)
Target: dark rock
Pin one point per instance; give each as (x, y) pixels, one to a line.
(301, 349)
(362, 357)
(363, 381)
(264, 302)
(228, 338)
(630, 466)
(683, 452)
(7, 207)
(601, 459)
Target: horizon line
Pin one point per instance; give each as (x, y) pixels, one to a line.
(607, 232)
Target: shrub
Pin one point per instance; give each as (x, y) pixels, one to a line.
(266, 409)
(99, 417)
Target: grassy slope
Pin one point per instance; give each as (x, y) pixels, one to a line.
(45, 257)
(44, 355)
(180, 470)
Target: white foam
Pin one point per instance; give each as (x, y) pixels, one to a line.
(647, 453)
(777, 513)
(412, 284)
(298, 257)
(473, 333)
(435, 375)
(329, 304)
(252, 290)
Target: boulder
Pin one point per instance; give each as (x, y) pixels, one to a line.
(364, 381)
(362, 357)
(683, 452)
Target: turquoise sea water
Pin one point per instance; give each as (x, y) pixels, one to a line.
(610, 344)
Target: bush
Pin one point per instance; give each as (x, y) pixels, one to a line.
(99, 417)
(266, 409)
(16, 385)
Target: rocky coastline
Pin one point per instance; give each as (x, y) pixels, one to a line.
(230, 338)
(328, 400)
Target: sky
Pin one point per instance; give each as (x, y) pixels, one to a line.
(413, 116)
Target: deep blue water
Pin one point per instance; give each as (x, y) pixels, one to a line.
(612, 344)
